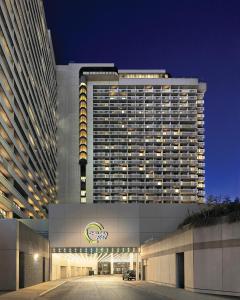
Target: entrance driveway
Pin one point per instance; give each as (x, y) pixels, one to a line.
(103, 288)
(114, 288)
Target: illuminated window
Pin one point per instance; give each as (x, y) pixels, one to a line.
(3, 213)
(30, 188)
(83, 119)
(30, 201)
(142, 75)
(83, 148)
(83, 133)
(83, 90)
(5, 117)
(83, 155)
(83, 104)
(38, 132)
(83, 126)
(31, 139)
(83, 112)
(83, 98)
(83, 140)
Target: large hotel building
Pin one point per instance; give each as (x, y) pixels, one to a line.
(101, 166)
(123, 135)
(28, 90)
(129, 136)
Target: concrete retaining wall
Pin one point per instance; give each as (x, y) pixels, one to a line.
(19, 240)
(9, 247)
(36, 255)
(211, 259)
(217, 259)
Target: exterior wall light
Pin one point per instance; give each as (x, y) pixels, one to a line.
(36, 256)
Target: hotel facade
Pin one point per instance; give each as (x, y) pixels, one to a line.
(28, 90)
(98, 167)
(132, 136)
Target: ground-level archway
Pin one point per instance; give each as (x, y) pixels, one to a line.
(79, 261)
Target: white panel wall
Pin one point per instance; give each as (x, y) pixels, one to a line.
(9, 254)
(67, 224)
(68, 172)
(217, 270)
(211, 259)
(128, 225)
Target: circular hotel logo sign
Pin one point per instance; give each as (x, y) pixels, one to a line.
(94, 232)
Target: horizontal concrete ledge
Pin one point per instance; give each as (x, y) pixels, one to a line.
(171, 292)
(219, 244)
(161, 283)
(53, 288)
(214, 292)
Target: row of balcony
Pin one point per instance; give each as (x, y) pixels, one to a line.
(143, 176)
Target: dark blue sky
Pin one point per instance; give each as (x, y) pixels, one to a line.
(185, 37)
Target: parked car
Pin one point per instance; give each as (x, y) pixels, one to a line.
(129, 275)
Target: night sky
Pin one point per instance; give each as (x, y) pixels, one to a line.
(185, 37)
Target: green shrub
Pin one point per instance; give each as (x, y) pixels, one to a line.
(213, 213)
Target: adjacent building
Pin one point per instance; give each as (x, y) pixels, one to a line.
(27, 111)
(129, 136)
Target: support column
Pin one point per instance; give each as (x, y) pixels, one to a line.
(111, 267)
(131, 261)
(137, 268)
(141, 268)
(96, 268)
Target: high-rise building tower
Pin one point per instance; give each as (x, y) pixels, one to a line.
(27, 111)
(129, 136)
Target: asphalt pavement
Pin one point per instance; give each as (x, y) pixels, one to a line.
(103, 288)
(114, 288)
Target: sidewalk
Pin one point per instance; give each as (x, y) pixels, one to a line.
(32, 292)
(181, 294)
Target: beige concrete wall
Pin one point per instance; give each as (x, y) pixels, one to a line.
(161, 261)
(158, 269)
(128, 225)
(69, 265)
(16, 237)
(211, 259)
(9, 254)
(32, 244)
(217, 267)
(67, 224)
